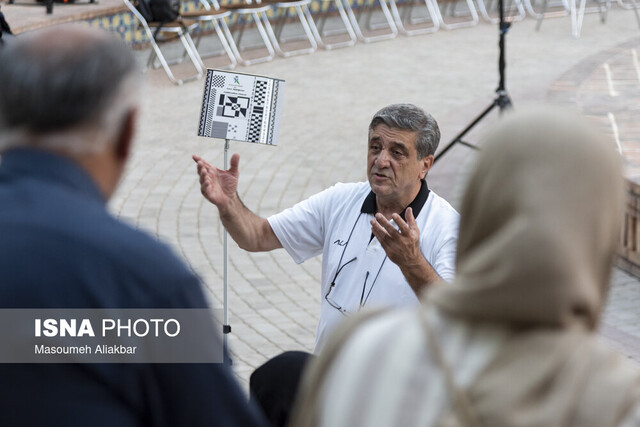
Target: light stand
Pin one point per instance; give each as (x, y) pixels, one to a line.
(502, 100)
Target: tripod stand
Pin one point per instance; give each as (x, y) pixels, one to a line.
(502, 100)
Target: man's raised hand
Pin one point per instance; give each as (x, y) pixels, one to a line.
(217, 185)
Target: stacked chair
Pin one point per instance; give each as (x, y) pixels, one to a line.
(322, 36)
(547, 9)
(450, 8)
(244, 14)
(282, 13)
(513, 10)
(410, 25)
(273, 19)
(573, 8)
(389, 22)
(216, 18)
(159, 33)
(272, 23)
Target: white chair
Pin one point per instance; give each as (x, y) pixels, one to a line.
(577, 14)
(283, 11)
(324, 35)
(245, 14)
(576, 11)
(165, 32)
(450, 8)
(216, 18)
(515, 11)
(548, 9)
(388, 23)
(410, 25)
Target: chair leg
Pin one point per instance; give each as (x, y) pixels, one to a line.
(265, 39)
(393, 30)
(412, 32)
(189, 47)
(347, 26)
(276, 40)
(232, 44)
(158, 54)
(187, 42)
(528, 5)
(482, 8)
(348, 29)
(280, 18)
(226, 48)
(308, 24)
(240, 32)
(226, 44)
(577, 17)
(266, 28)
(447, 26)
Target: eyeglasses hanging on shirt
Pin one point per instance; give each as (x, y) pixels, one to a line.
(373, 249)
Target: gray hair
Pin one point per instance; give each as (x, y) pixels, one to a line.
(56, 81)
(410, 117)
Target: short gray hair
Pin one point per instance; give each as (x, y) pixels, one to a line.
(410, 117)
(55, 80)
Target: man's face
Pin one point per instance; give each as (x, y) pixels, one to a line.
(393, 167)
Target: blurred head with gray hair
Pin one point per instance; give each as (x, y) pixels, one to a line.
(68, 89)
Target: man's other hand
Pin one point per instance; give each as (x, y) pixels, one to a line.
(401, 244)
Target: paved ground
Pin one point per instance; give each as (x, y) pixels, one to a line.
(329, 99)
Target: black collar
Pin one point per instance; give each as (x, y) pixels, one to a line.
(369, 206)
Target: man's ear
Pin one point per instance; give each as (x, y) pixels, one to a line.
(427, 162)
(126, 134)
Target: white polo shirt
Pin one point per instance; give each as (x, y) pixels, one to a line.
(336, 223)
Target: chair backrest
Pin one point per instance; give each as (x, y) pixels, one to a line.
(144, 7)
(146, 12)
(141, 20)
(133, 9)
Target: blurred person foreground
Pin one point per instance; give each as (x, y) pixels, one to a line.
(68, 109)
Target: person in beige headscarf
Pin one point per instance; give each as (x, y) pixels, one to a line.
(512, 341)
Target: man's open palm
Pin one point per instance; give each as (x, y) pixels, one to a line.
(217, 185)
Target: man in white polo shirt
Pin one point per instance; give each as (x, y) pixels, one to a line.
(382, 241)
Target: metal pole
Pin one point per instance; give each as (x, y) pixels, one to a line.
(504, 27)
(502, 100)
(226, 328)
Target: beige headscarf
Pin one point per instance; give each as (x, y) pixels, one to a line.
(539, 223)
(538, 229)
